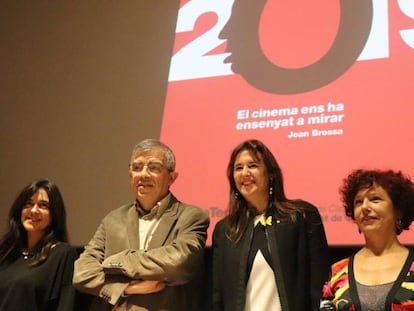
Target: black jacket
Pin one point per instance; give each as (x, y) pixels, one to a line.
(299, 254)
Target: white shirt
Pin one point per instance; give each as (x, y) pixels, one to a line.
(261, 291)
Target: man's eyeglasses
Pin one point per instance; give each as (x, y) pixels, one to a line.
(152, 167)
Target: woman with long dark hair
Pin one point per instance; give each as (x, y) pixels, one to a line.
(270, 252)
(36, 261)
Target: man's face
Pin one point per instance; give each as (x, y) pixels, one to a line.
(150, 178)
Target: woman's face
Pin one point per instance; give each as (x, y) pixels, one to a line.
(35, 215)
(374, 210)
(251, 177)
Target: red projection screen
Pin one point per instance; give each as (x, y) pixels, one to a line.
(327, 85)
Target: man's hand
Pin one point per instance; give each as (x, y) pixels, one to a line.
(144, 287)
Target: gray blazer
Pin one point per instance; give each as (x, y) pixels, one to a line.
(175, 253)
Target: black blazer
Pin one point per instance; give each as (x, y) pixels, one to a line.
(299, 254)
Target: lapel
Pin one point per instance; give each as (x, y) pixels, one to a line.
(132, 227)
(274, 235)
(166, 224)
(244, 247)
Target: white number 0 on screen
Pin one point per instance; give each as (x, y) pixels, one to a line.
(191, 61)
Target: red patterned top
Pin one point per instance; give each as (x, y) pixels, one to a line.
(340, 293)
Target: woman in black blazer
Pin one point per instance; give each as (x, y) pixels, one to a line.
(270, 252)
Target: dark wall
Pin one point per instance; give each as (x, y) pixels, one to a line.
(81, 82)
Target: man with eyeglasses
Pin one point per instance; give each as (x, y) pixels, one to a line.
(146, 255)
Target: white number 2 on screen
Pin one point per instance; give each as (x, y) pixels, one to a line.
(191, 62)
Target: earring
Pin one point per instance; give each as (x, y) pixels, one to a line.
(270, 187)
(399, 225)
(236, 195)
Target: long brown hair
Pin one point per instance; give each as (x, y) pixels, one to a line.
(239, 211)
(15, 239)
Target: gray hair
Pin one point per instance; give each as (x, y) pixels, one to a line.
(153, 144)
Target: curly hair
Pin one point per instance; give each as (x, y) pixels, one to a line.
(398, 186)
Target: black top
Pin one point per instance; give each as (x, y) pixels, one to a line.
(298, 255)
(41, 288)
(259, 242)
